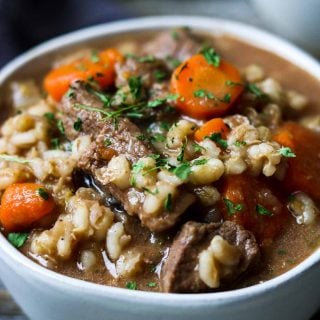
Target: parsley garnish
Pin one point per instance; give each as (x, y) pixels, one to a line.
(199, 162)
(263, 211)
(216, 137)
(132, 285)
(43, 193)
(232, 207)
(135, 85)
(211, 56)
(182, 171)
(159, 75)
(17, 239)
(240, 143)
(183, 149)
(55, 143)
(77, 124)
(201, 93)
(168, 205)
(152, 284)
(173, 62)
(252, 88)
(60, 126)
(226, 98)
(164, 126)
(230, 83)
(147, 58)
(6, 157)
(70, 93)
(175, 35)
(197, 147)
(50, 116)
(158, 137)
(286, 152)
(151, 192)
(94, 56)
(107, 142)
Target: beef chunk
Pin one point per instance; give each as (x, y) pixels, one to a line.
(179, 44)
(123, 140)
(180, 271)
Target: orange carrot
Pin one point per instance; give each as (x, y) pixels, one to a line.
(251, 202)
(205, 90)
(303, 170)
(216, 125)
(100, 67)
(23, 204)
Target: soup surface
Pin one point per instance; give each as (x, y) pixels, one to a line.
(170, 161)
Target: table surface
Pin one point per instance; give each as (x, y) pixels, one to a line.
(239, 10)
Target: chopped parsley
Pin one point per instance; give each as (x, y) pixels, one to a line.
(6, 157)
(135, 85)
(147, 58)
(156, 103)
(152, 284)
(232, 207)
(183, 149)
(50, 116)
(164, 126)
(70, 93)
(286, 152)
(94, 56)
(159, 75)
(199, 162)
(252, 88)
(60, 127)
(175, 35)
(197, 147)
(43, 193)
(131, 285)
(142, 137)
(216, 137)
(201, 93)
(168, 205)
(226, 98)
(158, 137)
(230, 83)
(17, 239)
(173, 97)
(182, 171)
(211, 56)
(107, 142)
(55, 143)
(77, 125)
(151, 192)
(263, 211)
(172, 62)
(240, 143)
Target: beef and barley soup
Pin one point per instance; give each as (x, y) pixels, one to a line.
(172, 162)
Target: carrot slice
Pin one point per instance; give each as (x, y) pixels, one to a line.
(99, 68)
(303, 171)
(216, 125)
(252, 203)
(204, 90)
(22, 204)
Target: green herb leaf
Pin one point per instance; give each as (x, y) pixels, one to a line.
(216, 137)
(152, 284)
(70, 93)
(131, 285)
(164, 126)
(168, 205)
(151, 192)
(135, 85)
(201, 93)
(252, 88)
(211, 56)
(107, 142)
(77, 124)
(158, 137)
(94, 56)
(156, 103)
(182, 171)
(173, 62)
(50, 116)
(175, 35)
(197, 147)
(159, 75)
(172, 97)
(183, 149)
(226, 98)
(147, 58)
(232, 207)
(239, 143)
(8, 158)
(18, 239)
(263, 211)
(43, 193)
(230, 83)
(55, 143)
(199, 162)
(60, 127)
(286, 152)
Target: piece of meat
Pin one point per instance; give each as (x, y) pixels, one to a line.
(179, 44)
(180, 272)
(124, 141)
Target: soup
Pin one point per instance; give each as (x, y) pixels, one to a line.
(173, 162)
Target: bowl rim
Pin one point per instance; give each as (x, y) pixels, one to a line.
(243, 32)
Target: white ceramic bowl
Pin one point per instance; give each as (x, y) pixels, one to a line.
(46, 295)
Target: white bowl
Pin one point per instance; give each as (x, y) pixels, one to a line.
(46, 295)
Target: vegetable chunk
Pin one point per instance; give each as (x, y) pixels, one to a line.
(205, 89)
(23, 204)
(251, 203)
(303, 170)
